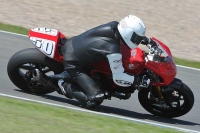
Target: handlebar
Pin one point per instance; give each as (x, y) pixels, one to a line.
(154, 52)
(153, 49)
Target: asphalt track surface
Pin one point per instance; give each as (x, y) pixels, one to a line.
(10, 44)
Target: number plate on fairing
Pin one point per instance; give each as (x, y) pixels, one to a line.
(45, 40)
(45, 46)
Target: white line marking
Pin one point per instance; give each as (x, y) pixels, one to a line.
(104, 114)
(27, 36)
(13, 33)
(189, 67)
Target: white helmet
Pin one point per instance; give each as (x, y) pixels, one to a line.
(132, 30)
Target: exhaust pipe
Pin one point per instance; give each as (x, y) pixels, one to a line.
(44, 80)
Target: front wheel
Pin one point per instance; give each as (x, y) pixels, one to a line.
(23, 63)
(177, 102)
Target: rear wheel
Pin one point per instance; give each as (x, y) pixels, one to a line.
(177, 103)
(21, 65)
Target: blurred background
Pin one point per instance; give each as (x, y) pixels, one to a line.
(176, 23)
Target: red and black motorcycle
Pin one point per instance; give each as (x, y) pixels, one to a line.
(34, 71)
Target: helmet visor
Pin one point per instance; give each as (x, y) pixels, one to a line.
(136, 38)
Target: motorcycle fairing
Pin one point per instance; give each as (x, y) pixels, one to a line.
(165, 69)
(46, 40)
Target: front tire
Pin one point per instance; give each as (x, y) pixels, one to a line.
(29, 59)
(178, 107)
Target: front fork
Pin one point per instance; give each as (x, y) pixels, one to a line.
(158, 90)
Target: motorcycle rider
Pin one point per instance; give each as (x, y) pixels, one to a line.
(100, 43)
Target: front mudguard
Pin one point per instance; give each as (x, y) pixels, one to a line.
(168, 90)
(176, 83)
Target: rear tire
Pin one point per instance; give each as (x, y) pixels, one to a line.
(30, 55)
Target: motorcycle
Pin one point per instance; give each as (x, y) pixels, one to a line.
(37, 71)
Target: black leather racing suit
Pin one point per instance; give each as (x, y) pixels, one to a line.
(86, 48)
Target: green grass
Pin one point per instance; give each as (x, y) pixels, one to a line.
(15, 29)
(24, 31)
(188, 63)
(19, 116)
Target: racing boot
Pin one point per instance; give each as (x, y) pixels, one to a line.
(87, 92)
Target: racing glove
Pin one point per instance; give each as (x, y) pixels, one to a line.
(146, 41)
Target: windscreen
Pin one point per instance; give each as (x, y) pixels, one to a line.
(165, 53)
